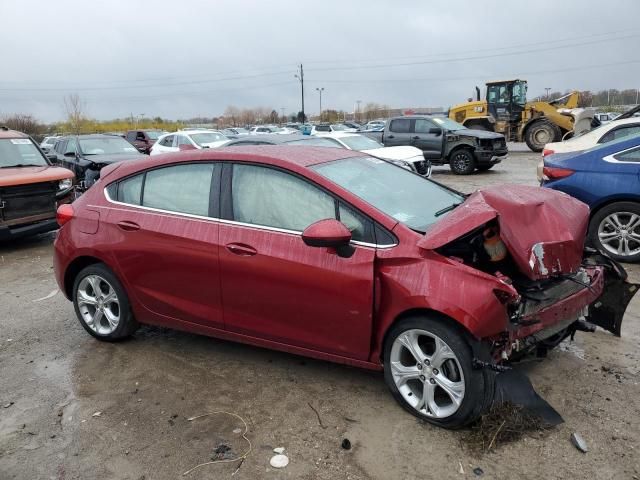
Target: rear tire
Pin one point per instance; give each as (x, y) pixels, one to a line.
(102, 305)
(615, 230)
(442, 387)
(541, 132)
(461, 162)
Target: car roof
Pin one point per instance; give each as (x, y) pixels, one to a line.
(273, 138)
(291, 157)
(5, 132)
(337, 134)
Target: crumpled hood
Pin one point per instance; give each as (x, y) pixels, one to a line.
(396, 153)
(544, 230)
(106, 159)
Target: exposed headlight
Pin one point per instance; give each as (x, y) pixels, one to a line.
(64, 184)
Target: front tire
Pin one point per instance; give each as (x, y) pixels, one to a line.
(541, 132)
(428, 366)
(615, 230)
(461, 162)
(102, 305)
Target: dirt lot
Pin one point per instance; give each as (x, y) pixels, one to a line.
(55, 378)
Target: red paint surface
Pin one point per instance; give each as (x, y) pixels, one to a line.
(527, 216)
(269, 289)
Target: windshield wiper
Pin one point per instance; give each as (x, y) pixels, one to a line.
(446, 209)
(22, 165)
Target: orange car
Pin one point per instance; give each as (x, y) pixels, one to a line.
(31, 188)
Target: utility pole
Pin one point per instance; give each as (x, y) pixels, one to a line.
(320, 90)
(358, 110)
(548, 89)
(283, 119)
(300, 76)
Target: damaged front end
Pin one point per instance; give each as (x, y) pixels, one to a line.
(533, 243)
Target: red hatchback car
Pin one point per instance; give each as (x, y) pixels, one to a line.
(336, 255)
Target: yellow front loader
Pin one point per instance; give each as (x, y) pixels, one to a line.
(506, 110)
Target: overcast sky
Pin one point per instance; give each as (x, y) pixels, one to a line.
(195, 57)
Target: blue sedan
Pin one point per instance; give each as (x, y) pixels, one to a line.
(607, 178)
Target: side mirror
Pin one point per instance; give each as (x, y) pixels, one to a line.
(53, 158)
(185, 147)
(329, 233)
(70, 154)
(436, 131)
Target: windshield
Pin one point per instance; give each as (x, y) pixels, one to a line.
(207, 137)
(154, 134)
(405, 196)
(448, 124)
(20, 152)
(360, 142)
(105, 146)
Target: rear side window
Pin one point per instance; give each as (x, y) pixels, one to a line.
(131, 136)
(181, 188)
(620, 133)
(628, 156)
(167, 141)
(130, 190)
(400, 125)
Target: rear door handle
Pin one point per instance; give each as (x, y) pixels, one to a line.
(128, 226)
(390, 136)
(241, 249)
(415, 138)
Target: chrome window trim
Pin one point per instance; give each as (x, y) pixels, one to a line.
(230, 222)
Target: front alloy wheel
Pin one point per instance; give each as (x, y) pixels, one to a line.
(615, 230)
(427, 373)
(428, 367)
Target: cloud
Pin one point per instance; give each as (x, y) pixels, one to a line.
(197, 57)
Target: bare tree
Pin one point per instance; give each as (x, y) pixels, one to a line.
(23, 123)
(74, 107)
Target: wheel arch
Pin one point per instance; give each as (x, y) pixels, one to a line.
(609, 201)
(74, 268)
(471, 339)
(461, 147)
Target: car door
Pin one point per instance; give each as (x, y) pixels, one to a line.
(398, 133)
(428, 137)
(164, 237)
(277, 288)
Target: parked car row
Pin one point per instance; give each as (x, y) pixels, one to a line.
(602, 169)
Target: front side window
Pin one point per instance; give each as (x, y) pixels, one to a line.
(272, 198)
(70, 147)
(423, 125)
(179, 188)
(400, 125)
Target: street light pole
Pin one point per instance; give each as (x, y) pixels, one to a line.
(358, 102)
(300, 76)
(320, 90)
(548, 89)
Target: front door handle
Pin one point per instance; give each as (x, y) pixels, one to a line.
(415, 138)
(128, 226)
(390, 136)
(241, 249)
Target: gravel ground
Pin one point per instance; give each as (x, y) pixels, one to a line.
(74, 408)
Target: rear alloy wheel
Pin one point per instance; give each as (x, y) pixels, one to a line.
(428, 368)
(541, 132)
(462, 162)
(615, 229)
(101, 304)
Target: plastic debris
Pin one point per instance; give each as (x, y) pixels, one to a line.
(7, 405)
(478, 472)
(346, 444)
(279, 450)
(237, 430)
(96, 414)
(579, 442)
(460, 468)
(279, 461)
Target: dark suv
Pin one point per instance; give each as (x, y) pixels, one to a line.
(143, 140)
(85, 155)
